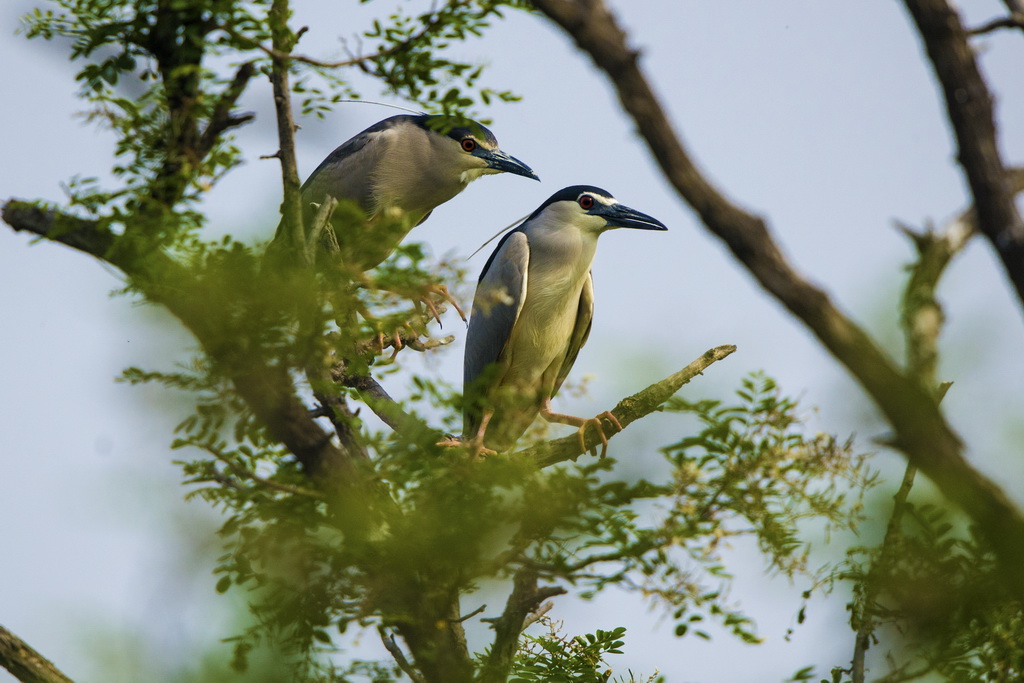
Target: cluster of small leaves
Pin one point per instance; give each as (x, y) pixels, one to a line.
(753, 463)
(143, 74)
(411, 61)
(939, 600)
(279, 544)
(555, 657)
(749, 472)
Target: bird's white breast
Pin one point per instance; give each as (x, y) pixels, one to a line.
(560, 259)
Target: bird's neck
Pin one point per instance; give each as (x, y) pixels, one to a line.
(417, 193)
(567, 250)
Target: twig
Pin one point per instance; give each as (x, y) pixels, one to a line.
(24, 663)
(627, 410)
(268, 483)
(221, 118)
(380, 402)
(400, 659)
(322, 226)
(1015, 20)
(472, 614)
(277, 54)
(536, 615)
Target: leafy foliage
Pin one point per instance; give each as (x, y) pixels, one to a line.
(556, 658)
(936, 590)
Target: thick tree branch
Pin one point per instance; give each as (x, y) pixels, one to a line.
(921, 431)
(24, 663)
(265, 388)
(970, 111)
(627, 410)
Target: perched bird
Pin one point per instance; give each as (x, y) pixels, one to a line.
(532, 312)
(396, 172)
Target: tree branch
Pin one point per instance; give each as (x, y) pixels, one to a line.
(265, 388)
(400, 658)
(291, 205)
(922, 324)
(24, 663)
(1015, 20)
(525, 597)
(221, 118)
(921, 431)
(278, 54)
(970, 111)
(627, 411)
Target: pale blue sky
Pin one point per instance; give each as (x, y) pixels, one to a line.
(820, 115)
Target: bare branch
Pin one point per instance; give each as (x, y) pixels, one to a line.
(24, 663)
(221, 119)
(1015, 20)
(627, 411)
(921, 431)
(400, 658)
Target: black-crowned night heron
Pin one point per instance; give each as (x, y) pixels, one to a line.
(396, 172)
(532, 313)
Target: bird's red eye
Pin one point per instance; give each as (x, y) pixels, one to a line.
(586, 202)
(468, 144)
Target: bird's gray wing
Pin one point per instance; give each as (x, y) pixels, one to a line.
(499, 298)
(580, 331)
(346, 173)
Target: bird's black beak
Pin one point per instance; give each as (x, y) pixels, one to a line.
(505, 163)
(621, 216)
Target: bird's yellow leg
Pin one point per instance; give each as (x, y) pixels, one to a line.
(476, 444)
(442, 291)
(582, 422)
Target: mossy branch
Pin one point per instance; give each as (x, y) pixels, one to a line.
(628, 410)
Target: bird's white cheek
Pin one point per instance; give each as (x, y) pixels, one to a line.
(472, 174)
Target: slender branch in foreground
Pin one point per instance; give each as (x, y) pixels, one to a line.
(627, 410)
(922, 324)
(24, 663)
(920, 430)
